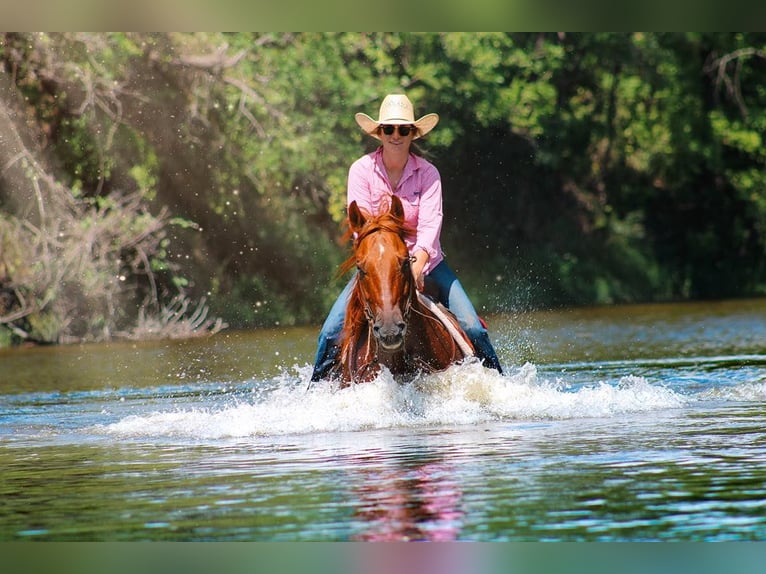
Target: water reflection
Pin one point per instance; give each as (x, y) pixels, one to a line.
(409, 502)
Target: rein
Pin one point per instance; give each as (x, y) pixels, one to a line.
(434, 308)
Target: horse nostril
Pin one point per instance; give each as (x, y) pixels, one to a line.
(402, 326)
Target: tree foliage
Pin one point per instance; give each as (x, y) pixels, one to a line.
(577, 168)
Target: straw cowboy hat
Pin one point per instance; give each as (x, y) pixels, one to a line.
(396, 109)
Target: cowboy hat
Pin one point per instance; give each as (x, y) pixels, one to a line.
(396, 109)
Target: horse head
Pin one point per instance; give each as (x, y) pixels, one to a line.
(385, 285)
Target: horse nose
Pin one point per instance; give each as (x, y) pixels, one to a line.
(391, 334)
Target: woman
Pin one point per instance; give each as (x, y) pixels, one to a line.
(393, 169)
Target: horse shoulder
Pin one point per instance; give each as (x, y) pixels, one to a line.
(431, 339)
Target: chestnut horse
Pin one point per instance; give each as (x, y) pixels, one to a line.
(388, 323)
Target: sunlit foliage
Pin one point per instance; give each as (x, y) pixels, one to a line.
(577, 168)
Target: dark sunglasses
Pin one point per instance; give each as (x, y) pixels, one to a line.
(404, 131)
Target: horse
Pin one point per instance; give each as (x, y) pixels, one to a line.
(388, 322)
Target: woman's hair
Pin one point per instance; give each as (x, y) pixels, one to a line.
(422, 152)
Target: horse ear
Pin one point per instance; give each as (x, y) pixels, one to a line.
(396, 209)
(356, 218)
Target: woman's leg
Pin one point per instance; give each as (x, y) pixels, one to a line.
(327, 344)
(453, 296)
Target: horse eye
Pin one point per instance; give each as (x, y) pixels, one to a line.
(361, 271)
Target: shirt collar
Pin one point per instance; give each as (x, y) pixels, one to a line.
(413, 163)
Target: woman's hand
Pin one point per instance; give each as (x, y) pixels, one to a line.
(419, 262)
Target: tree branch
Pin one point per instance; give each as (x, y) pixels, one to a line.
(718, 66)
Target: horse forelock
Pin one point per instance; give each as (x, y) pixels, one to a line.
(386, 222)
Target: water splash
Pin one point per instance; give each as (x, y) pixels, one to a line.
(748, 392)
(463, 395)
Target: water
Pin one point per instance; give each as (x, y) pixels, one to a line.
(631, 423)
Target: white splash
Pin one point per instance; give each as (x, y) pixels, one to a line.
(465, 394)
(750, 392)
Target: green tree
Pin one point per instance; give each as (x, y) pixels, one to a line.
(577, 168)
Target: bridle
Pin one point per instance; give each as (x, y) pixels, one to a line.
(404, 269)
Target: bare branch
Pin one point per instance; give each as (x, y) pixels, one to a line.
(719, 67)
(215, 62)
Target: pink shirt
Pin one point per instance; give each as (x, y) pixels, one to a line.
(420, 190)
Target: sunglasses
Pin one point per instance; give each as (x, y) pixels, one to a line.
(404, 131)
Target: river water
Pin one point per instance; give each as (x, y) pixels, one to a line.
(624, 423)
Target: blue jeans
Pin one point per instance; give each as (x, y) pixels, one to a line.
(450, 293)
